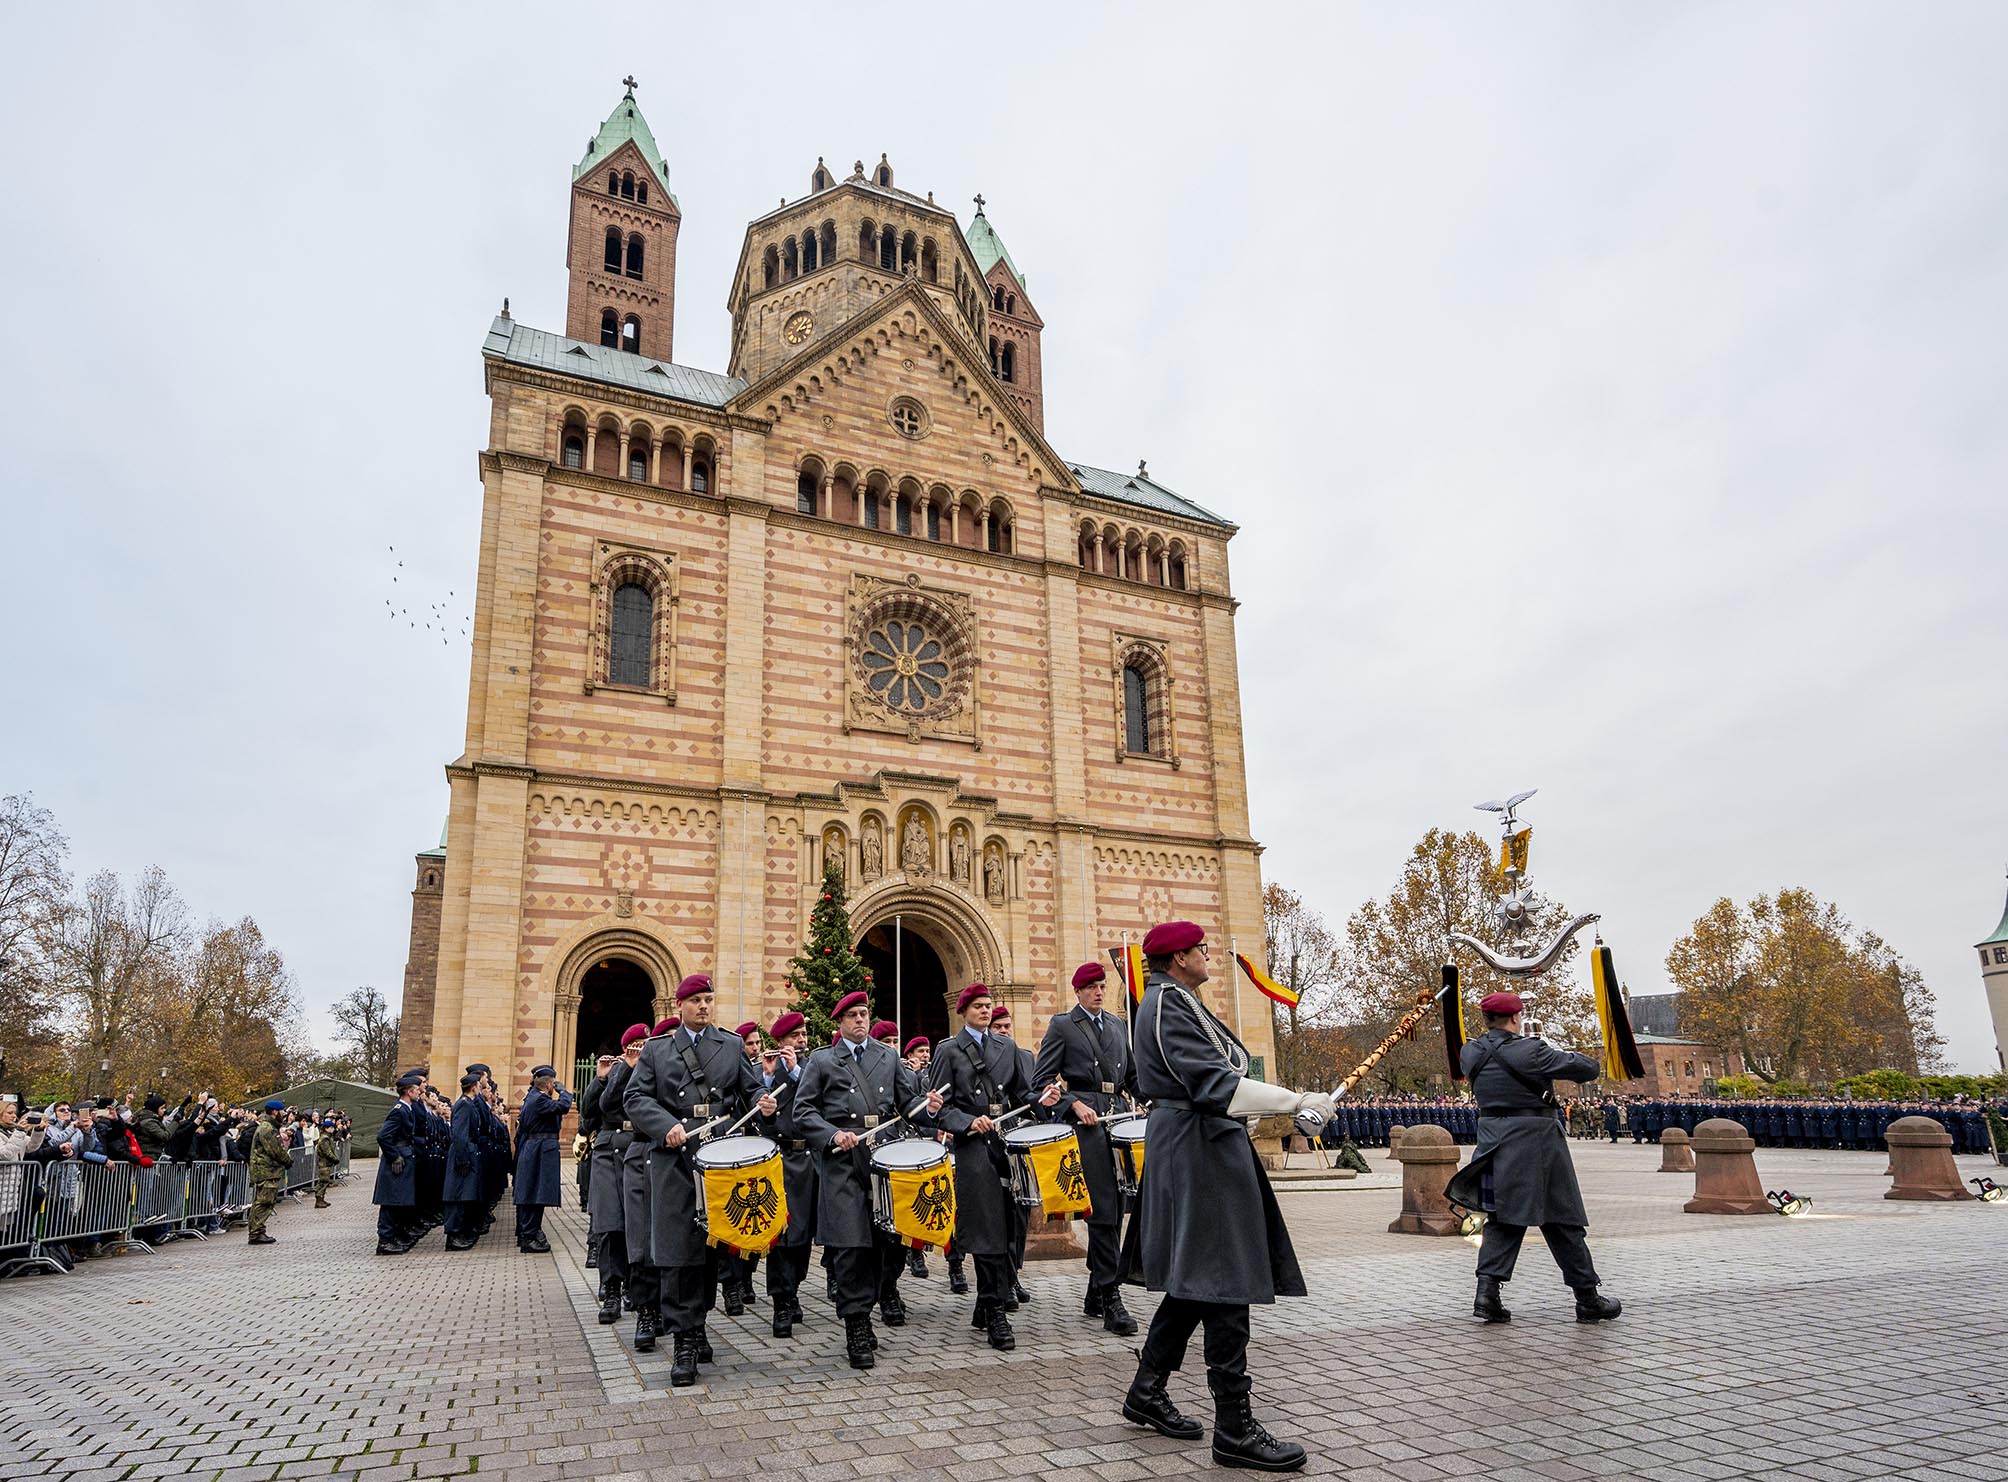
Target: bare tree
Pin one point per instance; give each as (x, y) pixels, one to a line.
(368, 1032)
(1303, 956)
(33, 887)
(110, 952)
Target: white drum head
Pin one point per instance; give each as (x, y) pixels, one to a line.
(735, 1152)
(1127, 1129)
(1031, 1137)
(911, 1154)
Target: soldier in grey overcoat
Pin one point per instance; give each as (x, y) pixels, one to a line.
(1021, 1216)
(1207, 1232)
(788, 1262)
(605, 1210)
(1521, 1174)
(688, 1077)
(644, 1283)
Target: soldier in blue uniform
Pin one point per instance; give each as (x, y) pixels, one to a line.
(538, 1178)
(491, 1148)
(397, 1170)
(460, 1191)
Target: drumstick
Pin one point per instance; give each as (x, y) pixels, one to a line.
(887, 1126)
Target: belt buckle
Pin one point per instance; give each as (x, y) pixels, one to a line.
(1108, 1088)
(871, 1122)
(627, 1126)
(996, 1109)
(702, 1109)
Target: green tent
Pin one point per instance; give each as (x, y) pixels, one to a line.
(367, 1106)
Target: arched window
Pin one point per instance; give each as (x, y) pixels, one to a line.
(631, 635)
(884, 174)
(829, 253)
(930, 264)
(627, 185)
(997, 296)
(808, 252)
(867, 242)
(993, 355)
(902, 516)
(889, 249)
(1136, 710)
(610, 328)
(631, 334)
(770, 267)
(821, 179)
(1011, 303)
(613, 255)
(805, 494)
(1177, 564)
(613, 183)
(791, 263)
(638, 462)
(871, 500)
(641, 191)
(700, 477)
(909, 252)
(933, 521)
(1000, 533)
(575, 450)
(1007, 365)
(634, 256)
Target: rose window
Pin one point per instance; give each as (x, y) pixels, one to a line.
(906, 667)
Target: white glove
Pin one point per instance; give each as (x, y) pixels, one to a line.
(1314, 1109)
(1260, 1099)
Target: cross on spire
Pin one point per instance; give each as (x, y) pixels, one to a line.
(629, 82)
(979, 203)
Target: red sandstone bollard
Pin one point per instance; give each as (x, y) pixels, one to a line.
(1394, 1137)
(1920, 1160)
(1425, 1152)
(1676, 1154)
(1725, 1175)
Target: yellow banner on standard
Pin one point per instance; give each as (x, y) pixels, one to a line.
(1063, 1186)
(1513, 850)
(923, 1204)
(746, 1209)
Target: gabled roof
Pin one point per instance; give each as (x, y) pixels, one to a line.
(988, 247)
(2000, 932)
(1668, 1039)
(1141, 489)
(518, 344)
(624, 125)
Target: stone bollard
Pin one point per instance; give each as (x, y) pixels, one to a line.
(1394, 1137)
(1725, 1175)
(1676, 1154)
(1427, 1157)
(1920, 1160)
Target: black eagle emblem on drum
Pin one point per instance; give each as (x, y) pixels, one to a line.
(934, 1202)
(753, 1205)
(1073, 1182)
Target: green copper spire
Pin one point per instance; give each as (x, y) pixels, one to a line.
(988, 246)
(2000, 932)
(625, 124)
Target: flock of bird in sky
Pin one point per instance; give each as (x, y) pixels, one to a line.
(434, 618)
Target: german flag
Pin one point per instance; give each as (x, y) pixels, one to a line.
(1133, 973)
(1268, 985)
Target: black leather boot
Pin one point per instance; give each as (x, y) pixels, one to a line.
(683, 1367)
(1001, 1337)
(1116, 1317)
(1018, 1292)
(916, 1264)
(858, 1347)
(735, 1304)
(958, 1279)
(644, 1332)
(704, 1354)
(1488, 1306)
(1147, 1403)
(1239, 1439)
(610, 1300)
(1091, 1304)
(784, 1318)
(893, 1309)
(593, 1254)
(1591, 1307)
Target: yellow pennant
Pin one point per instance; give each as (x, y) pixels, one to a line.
(923, 1204)
(1063, 1185)
(746, 1209)
(1513, 851)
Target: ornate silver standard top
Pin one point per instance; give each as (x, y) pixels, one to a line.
(1513, 910)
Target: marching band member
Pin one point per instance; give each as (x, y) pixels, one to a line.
(1021, 1217)
(846, 1090)
(1090, 1051)
(916, 1057)
(697, 1073)
(1520, 1173)
(644, 1286)
(736, 1271)
(980, 1078)
(605, 1212)
(1207, 1229)
(788, 1261)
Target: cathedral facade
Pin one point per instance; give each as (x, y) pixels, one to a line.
(841, 603)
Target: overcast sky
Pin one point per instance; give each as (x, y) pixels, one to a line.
(1610, 398)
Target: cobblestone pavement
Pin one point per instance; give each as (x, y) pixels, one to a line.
(1863, 1341)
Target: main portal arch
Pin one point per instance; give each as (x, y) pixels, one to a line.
(609, 980)
(944, 941)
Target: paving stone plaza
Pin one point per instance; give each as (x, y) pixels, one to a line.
(1864, 1340)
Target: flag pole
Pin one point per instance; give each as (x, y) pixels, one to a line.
(898, 977)
(1234, 977)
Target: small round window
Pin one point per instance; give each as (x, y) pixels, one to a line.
(909, 417)
(906, 667)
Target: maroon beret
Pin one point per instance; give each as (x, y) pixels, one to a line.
(848, 1002)
(918, 1042)
(635, 1035)
(749, 1027)
(969, 995)
(663, 1026)
(1506, 1002)
(1088, 974)
(883, 1028)
(1172, 936)
(787, 1024)
(693, 985)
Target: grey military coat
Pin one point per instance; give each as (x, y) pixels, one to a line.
(671, 1084)
(1089, 1060)
(799, 1178)
(835, 1096)
(973, 1082)
(1520, 1173)
(1207, 1226)
(603, 1199)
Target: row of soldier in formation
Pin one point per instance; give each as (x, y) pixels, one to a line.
(449, 1164)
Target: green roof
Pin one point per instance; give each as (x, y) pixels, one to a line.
(2000, 932)
(623, 125)
(989, 247)
(438, 851)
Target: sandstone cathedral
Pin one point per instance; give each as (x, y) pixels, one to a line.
(840, 603)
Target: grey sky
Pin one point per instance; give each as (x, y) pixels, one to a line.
(1609, 396)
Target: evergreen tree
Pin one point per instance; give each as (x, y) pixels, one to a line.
(826, 968)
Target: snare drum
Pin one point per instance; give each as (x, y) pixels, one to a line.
(913, 1192)
(1126, 1142)
(722, 1157)
(1064, 1188)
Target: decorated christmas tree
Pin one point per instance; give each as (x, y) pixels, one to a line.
(826, 968)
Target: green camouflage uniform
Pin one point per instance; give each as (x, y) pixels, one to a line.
(326, 1155)
(271, 1161)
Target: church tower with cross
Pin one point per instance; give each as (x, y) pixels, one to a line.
(836, 606)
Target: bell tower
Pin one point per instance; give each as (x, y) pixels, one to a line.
(620, 251)
(1014, 325)
(1994, 980)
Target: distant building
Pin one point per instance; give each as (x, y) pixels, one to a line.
(1676, 1066)
(1655, 1013)
(1994, 978)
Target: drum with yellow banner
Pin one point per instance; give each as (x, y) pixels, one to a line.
(913, 1192)
(742, 1203)
(1046, 1172)
(1126, 1143)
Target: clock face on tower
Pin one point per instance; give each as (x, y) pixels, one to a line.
(798, 326)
